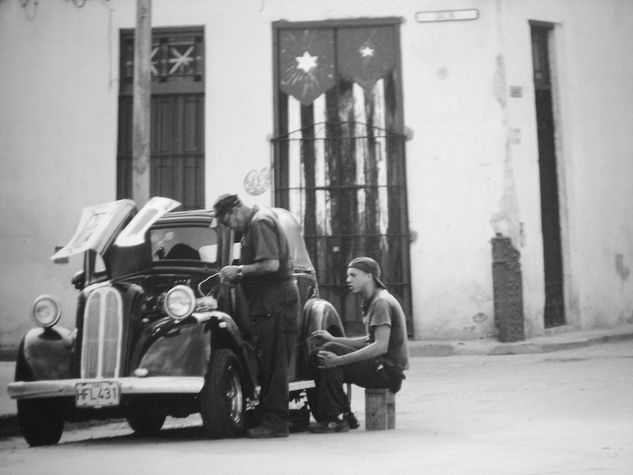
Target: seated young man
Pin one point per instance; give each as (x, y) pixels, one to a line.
(376, 360)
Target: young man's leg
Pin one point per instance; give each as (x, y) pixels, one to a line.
(331, 399)
(332, 404)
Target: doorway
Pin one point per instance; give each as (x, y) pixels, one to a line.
(339, 151)
(177, 116)
(554, 311)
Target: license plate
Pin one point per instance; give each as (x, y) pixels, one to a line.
(97, 394)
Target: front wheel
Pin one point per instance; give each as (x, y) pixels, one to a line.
(222, 404)
(41, 421)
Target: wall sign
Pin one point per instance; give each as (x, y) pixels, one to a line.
(447, 15)
(257, 181)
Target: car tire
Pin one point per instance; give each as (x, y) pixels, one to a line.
(41, 421)
(145, 421)
(321, 316)
(222, 404)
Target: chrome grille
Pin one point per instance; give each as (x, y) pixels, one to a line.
(102, 329)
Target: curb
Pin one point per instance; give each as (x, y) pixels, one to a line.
(546, 344)
(9, 426)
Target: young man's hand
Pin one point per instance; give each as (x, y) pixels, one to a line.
(327, 359)
(322, 336)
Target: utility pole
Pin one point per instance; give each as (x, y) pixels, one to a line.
(142, 102)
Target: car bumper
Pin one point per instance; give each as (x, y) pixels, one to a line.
(129, 386)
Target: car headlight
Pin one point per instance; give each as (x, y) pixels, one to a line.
(46, 311)
(180, 302)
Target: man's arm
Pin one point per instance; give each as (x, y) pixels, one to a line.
(264, 266)
(327, 359)
(325, 336)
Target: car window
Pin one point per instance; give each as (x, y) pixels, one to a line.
(237, 249)
(100, 268)
(184, 242)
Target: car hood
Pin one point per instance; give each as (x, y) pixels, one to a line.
(97, 226)
(134, 233)
(100, 224)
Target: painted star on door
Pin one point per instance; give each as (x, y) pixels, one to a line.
(366, 55)
(307, 67)
(306, 63)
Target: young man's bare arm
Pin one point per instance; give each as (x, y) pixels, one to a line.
(325, 336)
(327, 359)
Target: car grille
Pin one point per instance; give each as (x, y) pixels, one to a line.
(102, 329)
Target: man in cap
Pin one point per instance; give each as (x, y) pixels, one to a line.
(376, 360)
(265, 272)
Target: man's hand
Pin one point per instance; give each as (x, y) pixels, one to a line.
(230, 273)
(327, 359)
(322, 336)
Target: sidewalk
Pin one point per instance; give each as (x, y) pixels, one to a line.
(422, 348)
(542, 344)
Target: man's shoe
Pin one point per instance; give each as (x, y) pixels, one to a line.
(351, 420)
(263, 432)
(327, 427)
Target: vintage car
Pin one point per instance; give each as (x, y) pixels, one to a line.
(157, 334)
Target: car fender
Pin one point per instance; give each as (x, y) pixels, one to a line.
(175, 349)
(183, 348)
(225, 333)
(45, 353)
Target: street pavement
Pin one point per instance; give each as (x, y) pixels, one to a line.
(421, 348)
(557, 412)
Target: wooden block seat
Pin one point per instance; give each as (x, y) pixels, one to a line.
(380, 409)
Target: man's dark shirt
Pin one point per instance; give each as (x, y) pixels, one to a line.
(264, 239)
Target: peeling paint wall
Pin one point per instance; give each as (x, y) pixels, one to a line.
(472, 161)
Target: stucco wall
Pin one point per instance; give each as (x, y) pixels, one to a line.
(472, 160)
(593, 91)
(58, 135)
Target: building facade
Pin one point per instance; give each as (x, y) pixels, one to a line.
(419, 132)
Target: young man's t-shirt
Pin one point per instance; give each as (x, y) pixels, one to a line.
(384, 309)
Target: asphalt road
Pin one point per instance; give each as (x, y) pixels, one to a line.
(566, 412)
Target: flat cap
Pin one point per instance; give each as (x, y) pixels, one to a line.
(225, 203)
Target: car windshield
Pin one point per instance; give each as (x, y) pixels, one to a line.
(188, 243)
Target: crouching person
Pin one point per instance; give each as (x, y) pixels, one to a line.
(376, 360)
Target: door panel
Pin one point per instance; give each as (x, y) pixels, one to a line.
(176, 148)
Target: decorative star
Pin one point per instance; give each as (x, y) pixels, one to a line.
(154, 61)
(180, 61)
(366, 51)
(306, 62)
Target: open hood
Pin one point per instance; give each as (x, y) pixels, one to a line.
(134, 232)
(96, 228)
